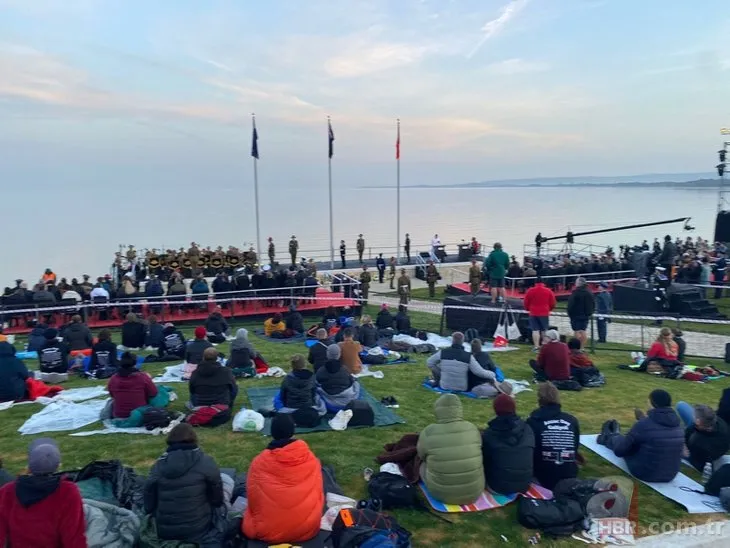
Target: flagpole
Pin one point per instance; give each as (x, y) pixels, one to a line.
(256, 191)
(397, 201)
(329, 173)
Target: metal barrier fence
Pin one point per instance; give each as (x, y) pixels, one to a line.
(567, 281)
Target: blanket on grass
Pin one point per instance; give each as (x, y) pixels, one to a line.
(72, 395)
(444, 342)
(299, 338)
(62, 415)
(264, 397)
(487, 500)
(109, 428)
(517, 387)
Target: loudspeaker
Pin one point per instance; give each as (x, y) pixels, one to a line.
(722, 227)
(473, 315)
(633, 298)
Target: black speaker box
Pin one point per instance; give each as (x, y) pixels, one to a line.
(722, 227)
(475, 316)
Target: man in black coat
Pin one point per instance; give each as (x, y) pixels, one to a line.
(318, 352)
(53, 355)
(508, 445)
(184, 491)
(707, 439)
(76, 335)
(581, 305)
(172, 346)
(211, 383)
(298, 387)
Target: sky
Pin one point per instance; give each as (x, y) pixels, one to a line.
(106, 105)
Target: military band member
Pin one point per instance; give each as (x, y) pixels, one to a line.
(293, 248)
(404, 287)
(360, 247)
(272, 251)
(391, 272)
(432, 276)
(365, 279)
(475, 277)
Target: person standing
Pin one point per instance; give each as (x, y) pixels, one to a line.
(718, 273)
(272, 250)
(604, 307)
(343, 253)
(404, 287)
(391, 272)
(360, 247)
(581, 306)
(668, 255)
(407, 248)
(293, 248)
(365, 279)
(475, 277)
(194, 256)
(432, 276)
(435, 244)
(380, 264)
(496, 265)
(539, 302)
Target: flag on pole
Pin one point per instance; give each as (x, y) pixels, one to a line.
(255, 141)
(331, 138)
(397, 143)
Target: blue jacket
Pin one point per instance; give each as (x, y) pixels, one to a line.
(12, 374)
(604, 303)
(653, 446)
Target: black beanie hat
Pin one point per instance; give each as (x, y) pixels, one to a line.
(282, 426)
(660, 398)
(50, 333)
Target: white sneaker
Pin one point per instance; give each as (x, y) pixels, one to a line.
(340, 420)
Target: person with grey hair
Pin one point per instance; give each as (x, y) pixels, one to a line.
(707, 436)
(450, 368)
(335, 385)
(553, 359)
(318, 351)
(581, 306)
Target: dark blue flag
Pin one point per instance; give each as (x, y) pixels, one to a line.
(331, 138)
(255, 142)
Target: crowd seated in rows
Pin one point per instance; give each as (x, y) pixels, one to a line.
(129, 387)
(13, 374)
(453, 367)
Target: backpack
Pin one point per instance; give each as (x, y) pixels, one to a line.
(558, 517)
(569, 384)
(364, 528)
(424, 348)
(597, 498)
(471, 334)
(393, 490)
(155, 417)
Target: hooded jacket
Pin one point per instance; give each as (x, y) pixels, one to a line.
(194, 350)
(707, 446)
(216, 323)
(36, 338)
(130, 389)
(41, 511)
(402, 323)
(154, 335)
(653, 447)
(212, 384)
(298, 389)
(173, 343)
(384, 320)
(557, 437)
(53, 357)
(455, 366)
(77, 336)
(333, 378)
(539, 300)
(103, 354)
(369, 335)
(182, 491)
(451, 450)
(285, 494)
(295, 322)
(133, 334)
(581, 303)
(12, 374)
(318, 354)
(508, 445)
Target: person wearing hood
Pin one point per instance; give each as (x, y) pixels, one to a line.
(294, 321)
(403, 322)
(36, 337)
(653, 447)
(318, 351)
(53, 355)
(104, 352)
(275, 326)
(284, 482)
(368, 335)
(216, 326)
(334, 384)
(42, 508)
(13, 374)
(242, 355)
(557, 438)
(298, 387)
(451, 451)
(195, 348)
(581, 306)
(154, 333)
(77, 335)
(211, 383)
(172, 347)
(508, 445)
(133, 332)
(184, 492)
(129, 387)
(384, 319)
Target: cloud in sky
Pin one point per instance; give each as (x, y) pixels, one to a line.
(516, 66)
(494, 26)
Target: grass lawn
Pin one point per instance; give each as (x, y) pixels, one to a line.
(351, 451)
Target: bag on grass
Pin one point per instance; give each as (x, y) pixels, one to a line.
(393, 490)
(513, 331)
(559, 517)
(154, 417)
(248, 420)
(365, 528)
(569, 384)
(471, 334)
(362, 413)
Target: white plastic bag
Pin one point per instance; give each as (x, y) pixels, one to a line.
(248, 420)
(513, 331)
(501, 330)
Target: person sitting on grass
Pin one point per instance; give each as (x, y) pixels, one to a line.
(369, 334)
(242, 355)
(133, 332)
(557, 438)
(36, 337)
(216, 326)
(129, 387)
(104, 352)
(5, 476)
(76, 335)
(350, 352)
(42, 508)
(298, 395)
(508, 445)
(455, 369)
(173, 345)
(707, 436)
(384, 320)
(403, 322)
(184, 492)
(336, 386)
(294, 321)
(653, 447)
(211, 383)
(53, 355)
(678, 337)
(330, 318)
(581, 366)
(154, 334)
(553, 359)
(663, 353)
(275, 326)
(318, 351)
(13, 374)
(284, 489)
(194, 351)
(451, 454)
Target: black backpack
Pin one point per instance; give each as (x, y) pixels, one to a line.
(156, 418)
(355, 527)
(393, 490)
(559, 518)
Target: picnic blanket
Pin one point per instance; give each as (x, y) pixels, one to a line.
(109, 428)
(367, 372)
(27, 355)
(440, 342)
(73, 395)
(695, 503)
(62, 415)
(264, 398)
(299, 338)
(173, 373)
(487, 500)
(517, 387)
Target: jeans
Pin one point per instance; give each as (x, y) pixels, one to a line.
(602, 326)
(686, 412)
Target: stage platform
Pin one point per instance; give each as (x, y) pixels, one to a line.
(189, 311)
(464, 289)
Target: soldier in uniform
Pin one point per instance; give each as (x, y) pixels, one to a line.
(365, 280)
(293, 248)
(360, 247)
(131, 254)
(404, 287)
(407, 248)
(432, 276)
(391, 272)
(272, 251)
(194, 256)
(343, 253)
(475, 277)
(380, 264)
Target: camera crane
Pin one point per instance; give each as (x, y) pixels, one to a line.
(570, 236)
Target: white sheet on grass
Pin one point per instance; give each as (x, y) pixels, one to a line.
(518, 386)
(173, 373)
(444, 342)
(367, 372)
(74, 395)
(695, 503)
(59, 416)
(109, 428)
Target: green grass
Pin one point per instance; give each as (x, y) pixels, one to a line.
(351, 451)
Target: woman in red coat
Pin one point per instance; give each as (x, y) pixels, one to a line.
(284, 488)
(663, 352)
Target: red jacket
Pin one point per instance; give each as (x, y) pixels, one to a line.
(554, 360)
(539, 300)
(579, 359)
(130, 392)
(41, 512)
(659, 351)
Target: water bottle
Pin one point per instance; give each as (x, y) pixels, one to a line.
(706, 472)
